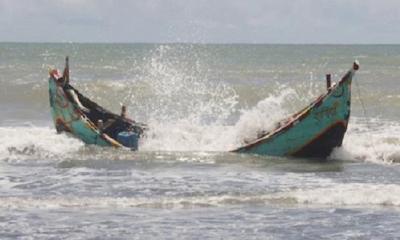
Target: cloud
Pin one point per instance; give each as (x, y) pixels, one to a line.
(263, 21)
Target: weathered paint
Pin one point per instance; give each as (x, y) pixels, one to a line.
(67, 117)
(314, 131)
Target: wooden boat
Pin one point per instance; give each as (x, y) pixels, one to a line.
(314, 131)
(68, 116)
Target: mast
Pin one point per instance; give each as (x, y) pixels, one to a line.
(66, 70)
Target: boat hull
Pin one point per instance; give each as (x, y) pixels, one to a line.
(68, 118)
(313, 132)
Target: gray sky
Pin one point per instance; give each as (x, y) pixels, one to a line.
(205, 21)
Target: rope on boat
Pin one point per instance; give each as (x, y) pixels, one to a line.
(366, 119)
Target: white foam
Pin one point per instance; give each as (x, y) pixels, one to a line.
(362, 194)
(21, 143)
(263, 116)
(375, 140)
(184, 136)
(189, 134)
(188, 112)
(193, 114)
(337, 195)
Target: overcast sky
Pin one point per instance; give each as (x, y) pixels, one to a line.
(205, 21)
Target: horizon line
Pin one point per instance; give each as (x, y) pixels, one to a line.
(194, 43)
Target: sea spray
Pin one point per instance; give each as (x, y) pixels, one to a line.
(375, 140)
(33, 143)
(53, 186)
(195, 97)
(186, 110)
(180, 87)
(263, 117)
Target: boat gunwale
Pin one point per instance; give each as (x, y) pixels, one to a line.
(300, 115)
(81, 116)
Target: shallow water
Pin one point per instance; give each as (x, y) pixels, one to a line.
(200, 101)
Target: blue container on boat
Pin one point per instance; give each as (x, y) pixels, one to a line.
(129, 139)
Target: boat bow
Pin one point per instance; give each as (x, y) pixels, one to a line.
(314, 131)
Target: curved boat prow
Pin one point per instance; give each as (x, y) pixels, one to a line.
(314, 131)
(74, 113)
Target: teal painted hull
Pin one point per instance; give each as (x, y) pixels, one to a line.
(313, 132)
(69, 118)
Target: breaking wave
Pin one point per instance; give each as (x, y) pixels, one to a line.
(374, 140)
(187, 108)
(22, 143)
(338, 195)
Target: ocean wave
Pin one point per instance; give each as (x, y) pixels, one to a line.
(337, 195)
(35, 143)
(186, 108)
(374, 140)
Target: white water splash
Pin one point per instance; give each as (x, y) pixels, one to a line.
(263, 117)
(22, 143)
(186, 110)
(379, 143)
(179, 88)
(374, 140)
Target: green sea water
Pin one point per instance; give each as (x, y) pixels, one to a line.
(200, 101)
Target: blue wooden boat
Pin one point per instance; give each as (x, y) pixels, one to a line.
(312, 132)
(76, 114)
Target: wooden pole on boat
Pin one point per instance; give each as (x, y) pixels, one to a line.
(328, 81)
(66, 70)
(356, 65)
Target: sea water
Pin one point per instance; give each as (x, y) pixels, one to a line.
(200, 101)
